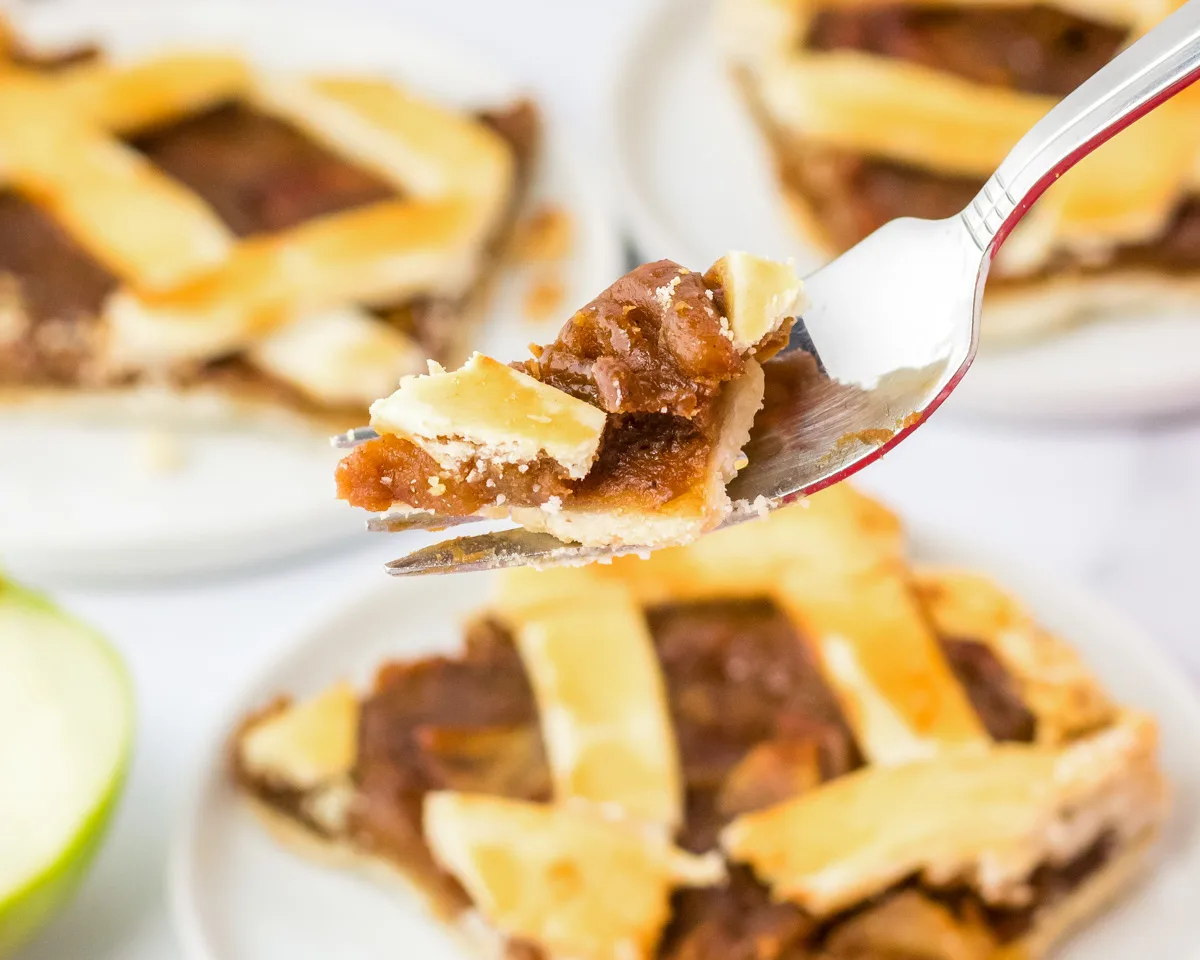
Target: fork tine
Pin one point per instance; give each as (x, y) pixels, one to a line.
(519, 547)
(495, 551)
(352, 438)
(417, 520)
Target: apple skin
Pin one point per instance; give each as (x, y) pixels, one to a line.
(28, 910)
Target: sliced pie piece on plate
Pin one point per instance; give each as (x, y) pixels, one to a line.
(199, 232)
(777, 743)
(878, 110)
(624, 430)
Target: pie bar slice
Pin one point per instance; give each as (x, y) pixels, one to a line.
(194, 230)
(780, 742)
(624, 430)
(876, 110)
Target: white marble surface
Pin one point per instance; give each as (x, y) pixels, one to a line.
(1116, 508)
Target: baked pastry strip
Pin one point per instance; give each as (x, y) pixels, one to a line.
(608, 743)
(127, 97)
(363, 255)
(564, 878)
(996, 817)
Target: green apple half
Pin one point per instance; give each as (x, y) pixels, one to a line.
(66, 729)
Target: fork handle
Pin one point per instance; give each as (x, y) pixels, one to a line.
(1147, 73)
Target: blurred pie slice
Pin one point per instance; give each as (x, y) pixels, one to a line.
(193, 233)
(781, 742)
(876, 110)
(624, 430)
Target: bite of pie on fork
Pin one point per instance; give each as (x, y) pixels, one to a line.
(623, 433)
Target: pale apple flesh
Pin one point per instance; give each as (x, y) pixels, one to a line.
(66, 727)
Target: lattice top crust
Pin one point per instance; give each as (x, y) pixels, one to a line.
(295, 302)
(585, 866)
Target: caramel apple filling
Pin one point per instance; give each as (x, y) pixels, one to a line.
(51, 292)
(649, 459)
(257, 172)
(391, 469)
(1035, 49)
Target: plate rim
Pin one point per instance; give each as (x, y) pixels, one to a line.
(927, 544)
(584, 193)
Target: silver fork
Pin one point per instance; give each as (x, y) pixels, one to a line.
(892, 324)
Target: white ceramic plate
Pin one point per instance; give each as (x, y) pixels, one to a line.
(236, 895)
(697, 181)
(126, 517)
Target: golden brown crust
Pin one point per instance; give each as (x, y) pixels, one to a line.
(609, 743)
(1096, 893)
(983, 819)
(568, 878)
(1053, 681)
